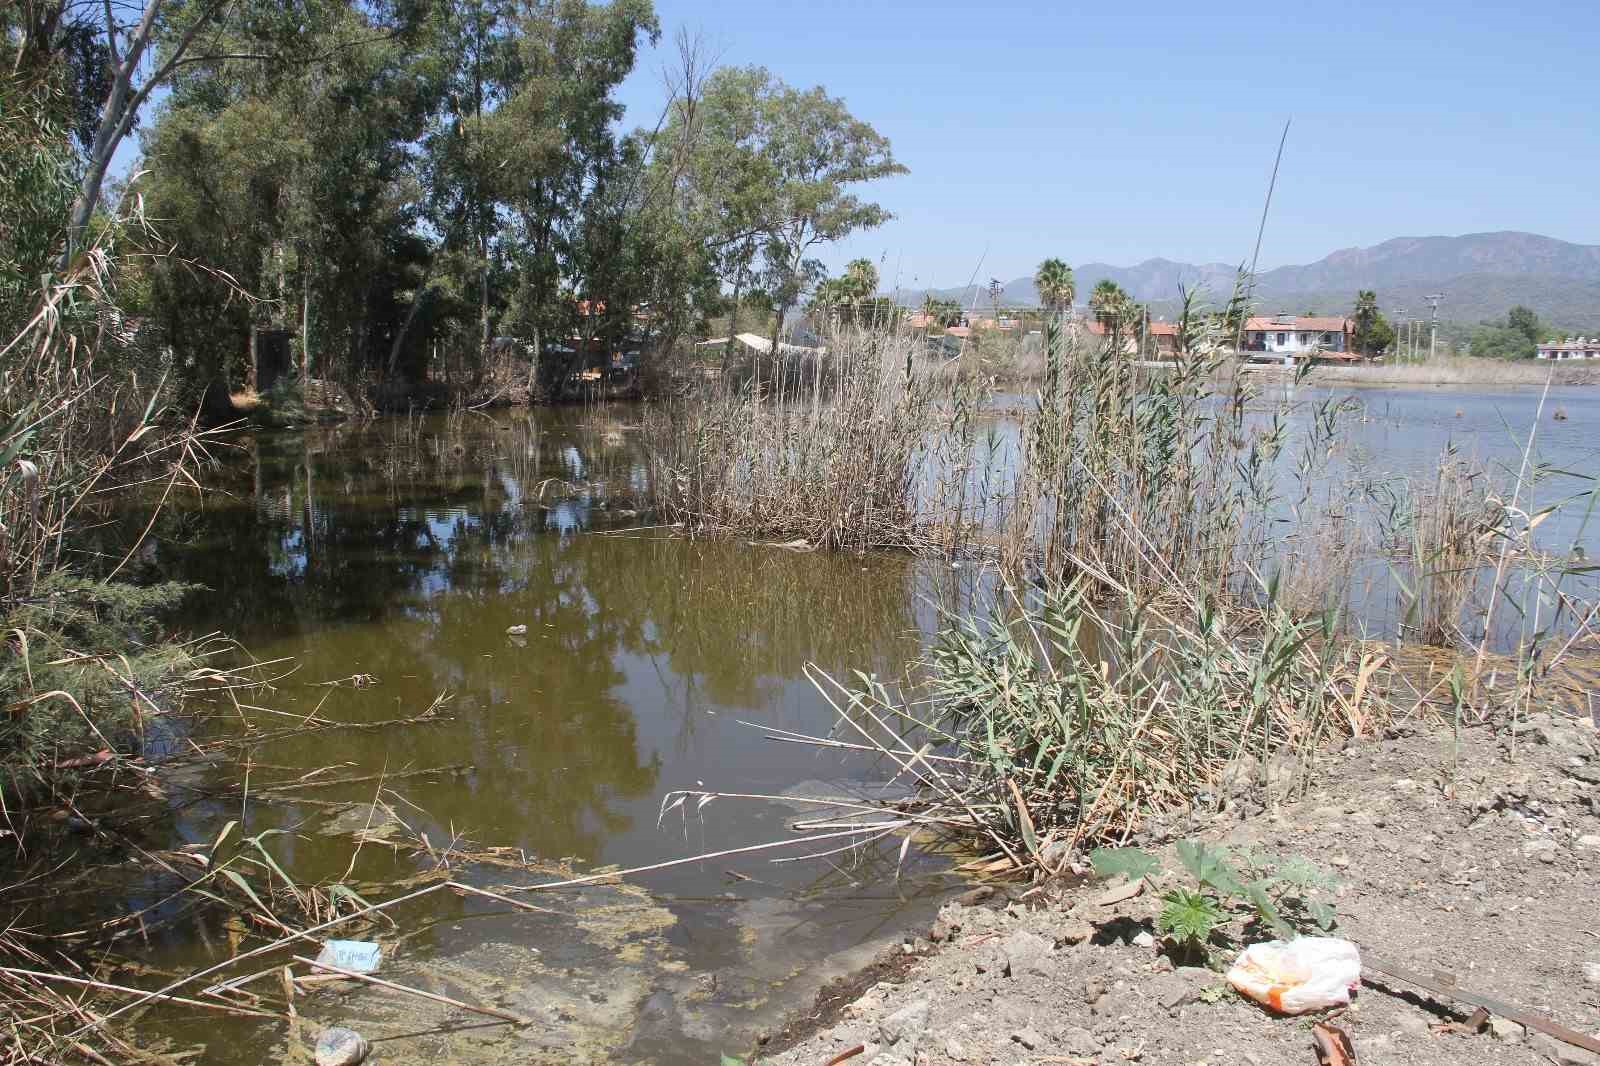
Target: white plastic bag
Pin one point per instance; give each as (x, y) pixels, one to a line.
(1295, 976)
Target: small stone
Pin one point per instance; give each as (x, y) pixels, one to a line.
(1588, 772)
(1144, 940)
(1506, 1029)
(1028, 1038)
(866, 1006)
(940, 931)
(1026, 953)
(1079, 1043)
(1589, 842)
(1074, 932)
(1093, 989)
(1172, 991)
(955, 1050)
(1340, 861)
(340, 1047)
(1412, 1023)
(1591, 973)
(906, 1024)
(516, 631)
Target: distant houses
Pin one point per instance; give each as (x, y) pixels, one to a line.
(1571, 348)
(1293, 335)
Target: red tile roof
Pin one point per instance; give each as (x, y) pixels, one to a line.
(1311, 323)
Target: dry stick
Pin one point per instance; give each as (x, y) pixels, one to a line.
(304, 934)
(774, 733)
(105, 986)
(1505, 545)
(284, 786)
(493, 1012)
(747, 849)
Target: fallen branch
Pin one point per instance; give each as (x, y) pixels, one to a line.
(1445, 986)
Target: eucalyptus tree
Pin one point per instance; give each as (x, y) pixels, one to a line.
(568, 187)
(295, 182)
(817, 151)
(768, 175)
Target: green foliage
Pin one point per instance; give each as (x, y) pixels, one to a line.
(1373, 333)
(1134, 862)
(1497, 341)
(768, 175)
(1054, 283)
(1288, 895)
(1189, 919)
(1526, 322)
(84, 662)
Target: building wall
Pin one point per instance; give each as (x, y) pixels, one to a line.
(1288, 340)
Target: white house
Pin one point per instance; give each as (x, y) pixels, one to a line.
(1293, 334)
(1571, 348)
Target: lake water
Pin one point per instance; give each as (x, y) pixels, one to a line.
(400, 552)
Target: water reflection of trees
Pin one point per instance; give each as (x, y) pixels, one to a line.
(404, 549)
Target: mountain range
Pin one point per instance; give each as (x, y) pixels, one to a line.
(1481, 275)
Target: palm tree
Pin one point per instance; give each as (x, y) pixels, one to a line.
(1366, 315)
(1108, 301)
(830, 296)
(1053, 280)
(862, 279)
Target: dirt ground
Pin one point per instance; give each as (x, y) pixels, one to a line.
(1483, 865)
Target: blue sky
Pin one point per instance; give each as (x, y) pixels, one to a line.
(1117, 133)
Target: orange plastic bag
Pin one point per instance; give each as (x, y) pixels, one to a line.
(1295, 976)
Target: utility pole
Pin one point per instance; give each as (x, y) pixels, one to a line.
(1399, 339)
(1433, 336)
(995, 289)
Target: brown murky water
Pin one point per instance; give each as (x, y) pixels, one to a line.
(403, 551)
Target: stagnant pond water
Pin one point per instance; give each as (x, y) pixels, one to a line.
(403, 551)
(400, 552)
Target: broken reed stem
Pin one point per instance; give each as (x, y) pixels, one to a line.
(704, 856)
(106, 986)
(493, 1012)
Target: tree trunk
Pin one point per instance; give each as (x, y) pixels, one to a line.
(305, 324)
(411, 314)
(533, 363)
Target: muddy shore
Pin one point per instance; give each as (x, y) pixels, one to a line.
(1483, 865)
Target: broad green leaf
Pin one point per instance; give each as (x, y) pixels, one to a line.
(1135, 862)
(1256, 892)
(1210, 866)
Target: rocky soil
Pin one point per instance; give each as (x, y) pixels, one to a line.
(1483, 864)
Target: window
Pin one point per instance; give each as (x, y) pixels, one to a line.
(1283, 338)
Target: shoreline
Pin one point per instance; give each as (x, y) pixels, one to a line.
(1470, 877)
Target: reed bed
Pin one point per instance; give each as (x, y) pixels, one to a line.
(838, 461)
(1456, 370)
(1057, 724)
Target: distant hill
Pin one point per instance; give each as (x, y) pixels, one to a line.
(1480, 274)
